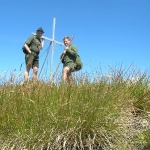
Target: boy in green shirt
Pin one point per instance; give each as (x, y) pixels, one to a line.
(33, 45)
(69, 57)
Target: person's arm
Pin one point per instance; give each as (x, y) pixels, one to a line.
(27, 48)
(42, 43)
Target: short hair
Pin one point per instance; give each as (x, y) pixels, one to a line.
(66, 37)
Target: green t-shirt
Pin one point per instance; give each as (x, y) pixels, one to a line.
(34, 43)
(70, 56)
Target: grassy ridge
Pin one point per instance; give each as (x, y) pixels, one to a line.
(87, 115)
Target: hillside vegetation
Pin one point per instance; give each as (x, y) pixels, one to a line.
(106, 112)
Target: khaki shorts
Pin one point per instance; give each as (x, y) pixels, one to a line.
(71, 67)
(32, 59)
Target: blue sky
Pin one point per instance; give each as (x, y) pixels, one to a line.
(106, 32)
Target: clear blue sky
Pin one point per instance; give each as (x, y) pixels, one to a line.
(107, 32)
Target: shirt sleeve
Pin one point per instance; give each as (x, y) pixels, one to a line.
(72, 50)
(28, 42)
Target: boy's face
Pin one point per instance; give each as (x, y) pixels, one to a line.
(39, 34)
(66, 42)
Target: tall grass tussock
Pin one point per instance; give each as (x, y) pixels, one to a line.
(102, 112)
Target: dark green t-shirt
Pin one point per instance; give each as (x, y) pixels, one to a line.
(34, 43)
(70, 56)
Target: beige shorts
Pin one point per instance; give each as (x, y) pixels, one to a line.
(32, 59)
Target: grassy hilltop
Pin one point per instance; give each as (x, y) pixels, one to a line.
(109, 112)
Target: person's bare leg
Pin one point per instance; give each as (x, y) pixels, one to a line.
(26, 73)
(35, 71)
(69, 78)
(65, 74)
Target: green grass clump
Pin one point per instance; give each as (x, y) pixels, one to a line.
(97, 114)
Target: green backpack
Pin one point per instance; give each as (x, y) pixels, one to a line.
(79, 63)
(24, 50)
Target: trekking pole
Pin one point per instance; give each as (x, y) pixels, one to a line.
(45, 58)
(60, 61)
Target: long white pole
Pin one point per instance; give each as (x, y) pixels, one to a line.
(49, 39)
(52, 51)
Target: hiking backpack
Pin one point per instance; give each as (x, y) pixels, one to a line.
(24, 50)
(78, 63)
